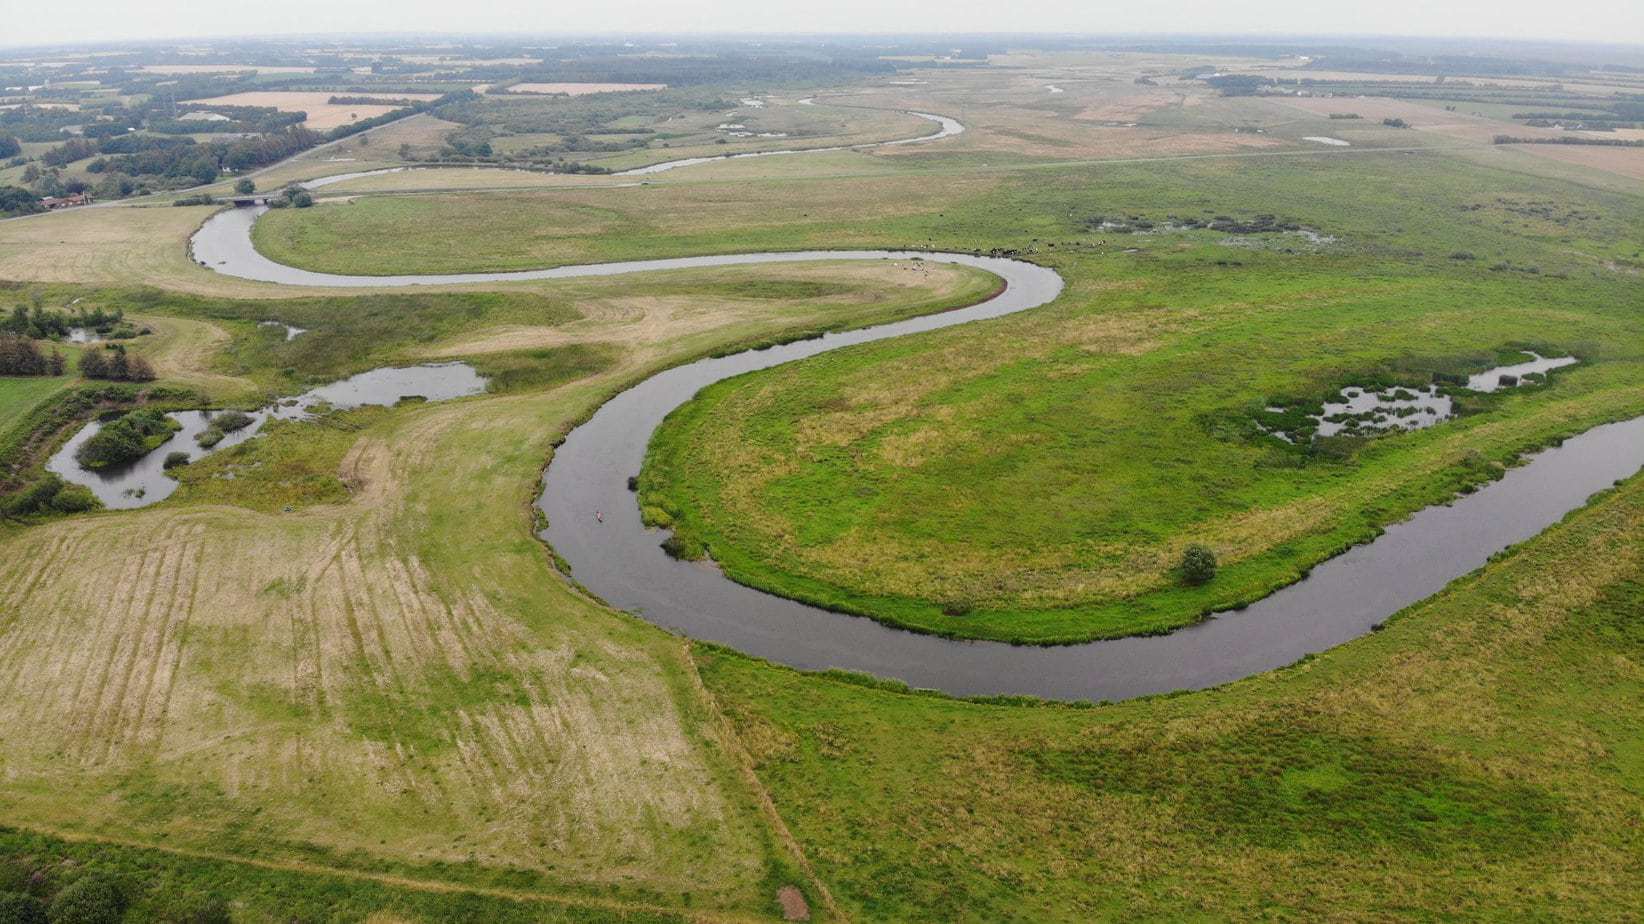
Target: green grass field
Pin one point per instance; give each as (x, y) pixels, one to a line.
(335, 677)
(1479, 759)
(1037, 477)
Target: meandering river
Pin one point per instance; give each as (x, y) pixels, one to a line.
(594, 522)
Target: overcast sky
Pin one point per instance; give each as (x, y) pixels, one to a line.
(31, 22)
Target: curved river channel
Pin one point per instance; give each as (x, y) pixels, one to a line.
(621, 561)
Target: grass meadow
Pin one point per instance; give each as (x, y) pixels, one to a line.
(335, 676)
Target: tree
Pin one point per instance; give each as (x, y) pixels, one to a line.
(92, 365)
(302, 200)
(9, 146)
(1198, 565)
(15, 200)
(245, 187)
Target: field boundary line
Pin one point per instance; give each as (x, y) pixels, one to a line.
(744, 762)
(400, 881)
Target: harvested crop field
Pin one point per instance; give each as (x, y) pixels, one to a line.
(322, 114)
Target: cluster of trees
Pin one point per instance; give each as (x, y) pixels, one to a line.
(1568, 139)
(236, 119)
(15, 200)
(114, 364)
(22, 356)
(188, 161)
(125, 439)
(37, 123)
(293, 196)
(9, 146)
(49, 324)
(47, 494)
(1238, 84)
(69, 151)
(372, 101)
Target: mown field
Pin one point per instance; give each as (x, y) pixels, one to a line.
(339, 645)
(335, 677)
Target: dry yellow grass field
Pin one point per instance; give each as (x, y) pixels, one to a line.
(399, 678)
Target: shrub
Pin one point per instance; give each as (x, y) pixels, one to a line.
(229, 421)
(1198, 565)
(245, 187)
(126, 439)
(302, 200)
(175, 458)
(92, 899)
(20, 356)
(19, 908)
(34, 498)
(73, 498)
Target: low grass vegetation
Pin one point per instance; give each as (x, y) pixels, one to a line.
(1037, 478)
(335, 676)
(1474, 759)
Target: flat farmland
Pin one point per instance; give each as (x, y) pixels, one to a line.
(323, 115)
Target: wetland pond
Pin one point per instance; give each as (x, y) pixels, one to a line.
(145, 481)
(1367, 411)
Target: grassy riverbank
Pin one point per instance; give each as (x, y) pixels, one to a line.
(1479, 758)
(334, 674)
(1036, 478)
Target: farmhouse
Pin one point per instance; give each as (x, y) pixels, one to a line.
(63, 202)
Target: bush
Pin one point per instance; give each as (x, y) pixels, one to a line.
(302, 200)
(92, 899)
(1198, 565)
(35, 498)
(245, 187)
(175, 458)
(19, 908)
(73, 498)
(126, 439)
(229, 421)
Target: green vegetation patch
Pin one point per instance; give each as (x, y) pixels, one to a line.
(1276, 785)
(1475, 758)
(1038, 477)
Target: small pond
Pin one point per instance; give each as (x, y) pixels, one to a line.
(1366, 411)
(145, 481)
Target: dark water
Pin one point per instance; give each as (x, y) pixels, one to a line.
(620, 560)
(146, 482)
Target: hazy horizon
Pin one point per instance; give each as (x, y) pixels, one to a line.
(76, 22)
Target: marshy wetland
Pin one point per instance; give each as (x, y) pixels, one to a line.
(145, 480)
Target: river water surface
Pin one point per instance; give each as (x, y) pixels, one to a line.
(594, 523)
